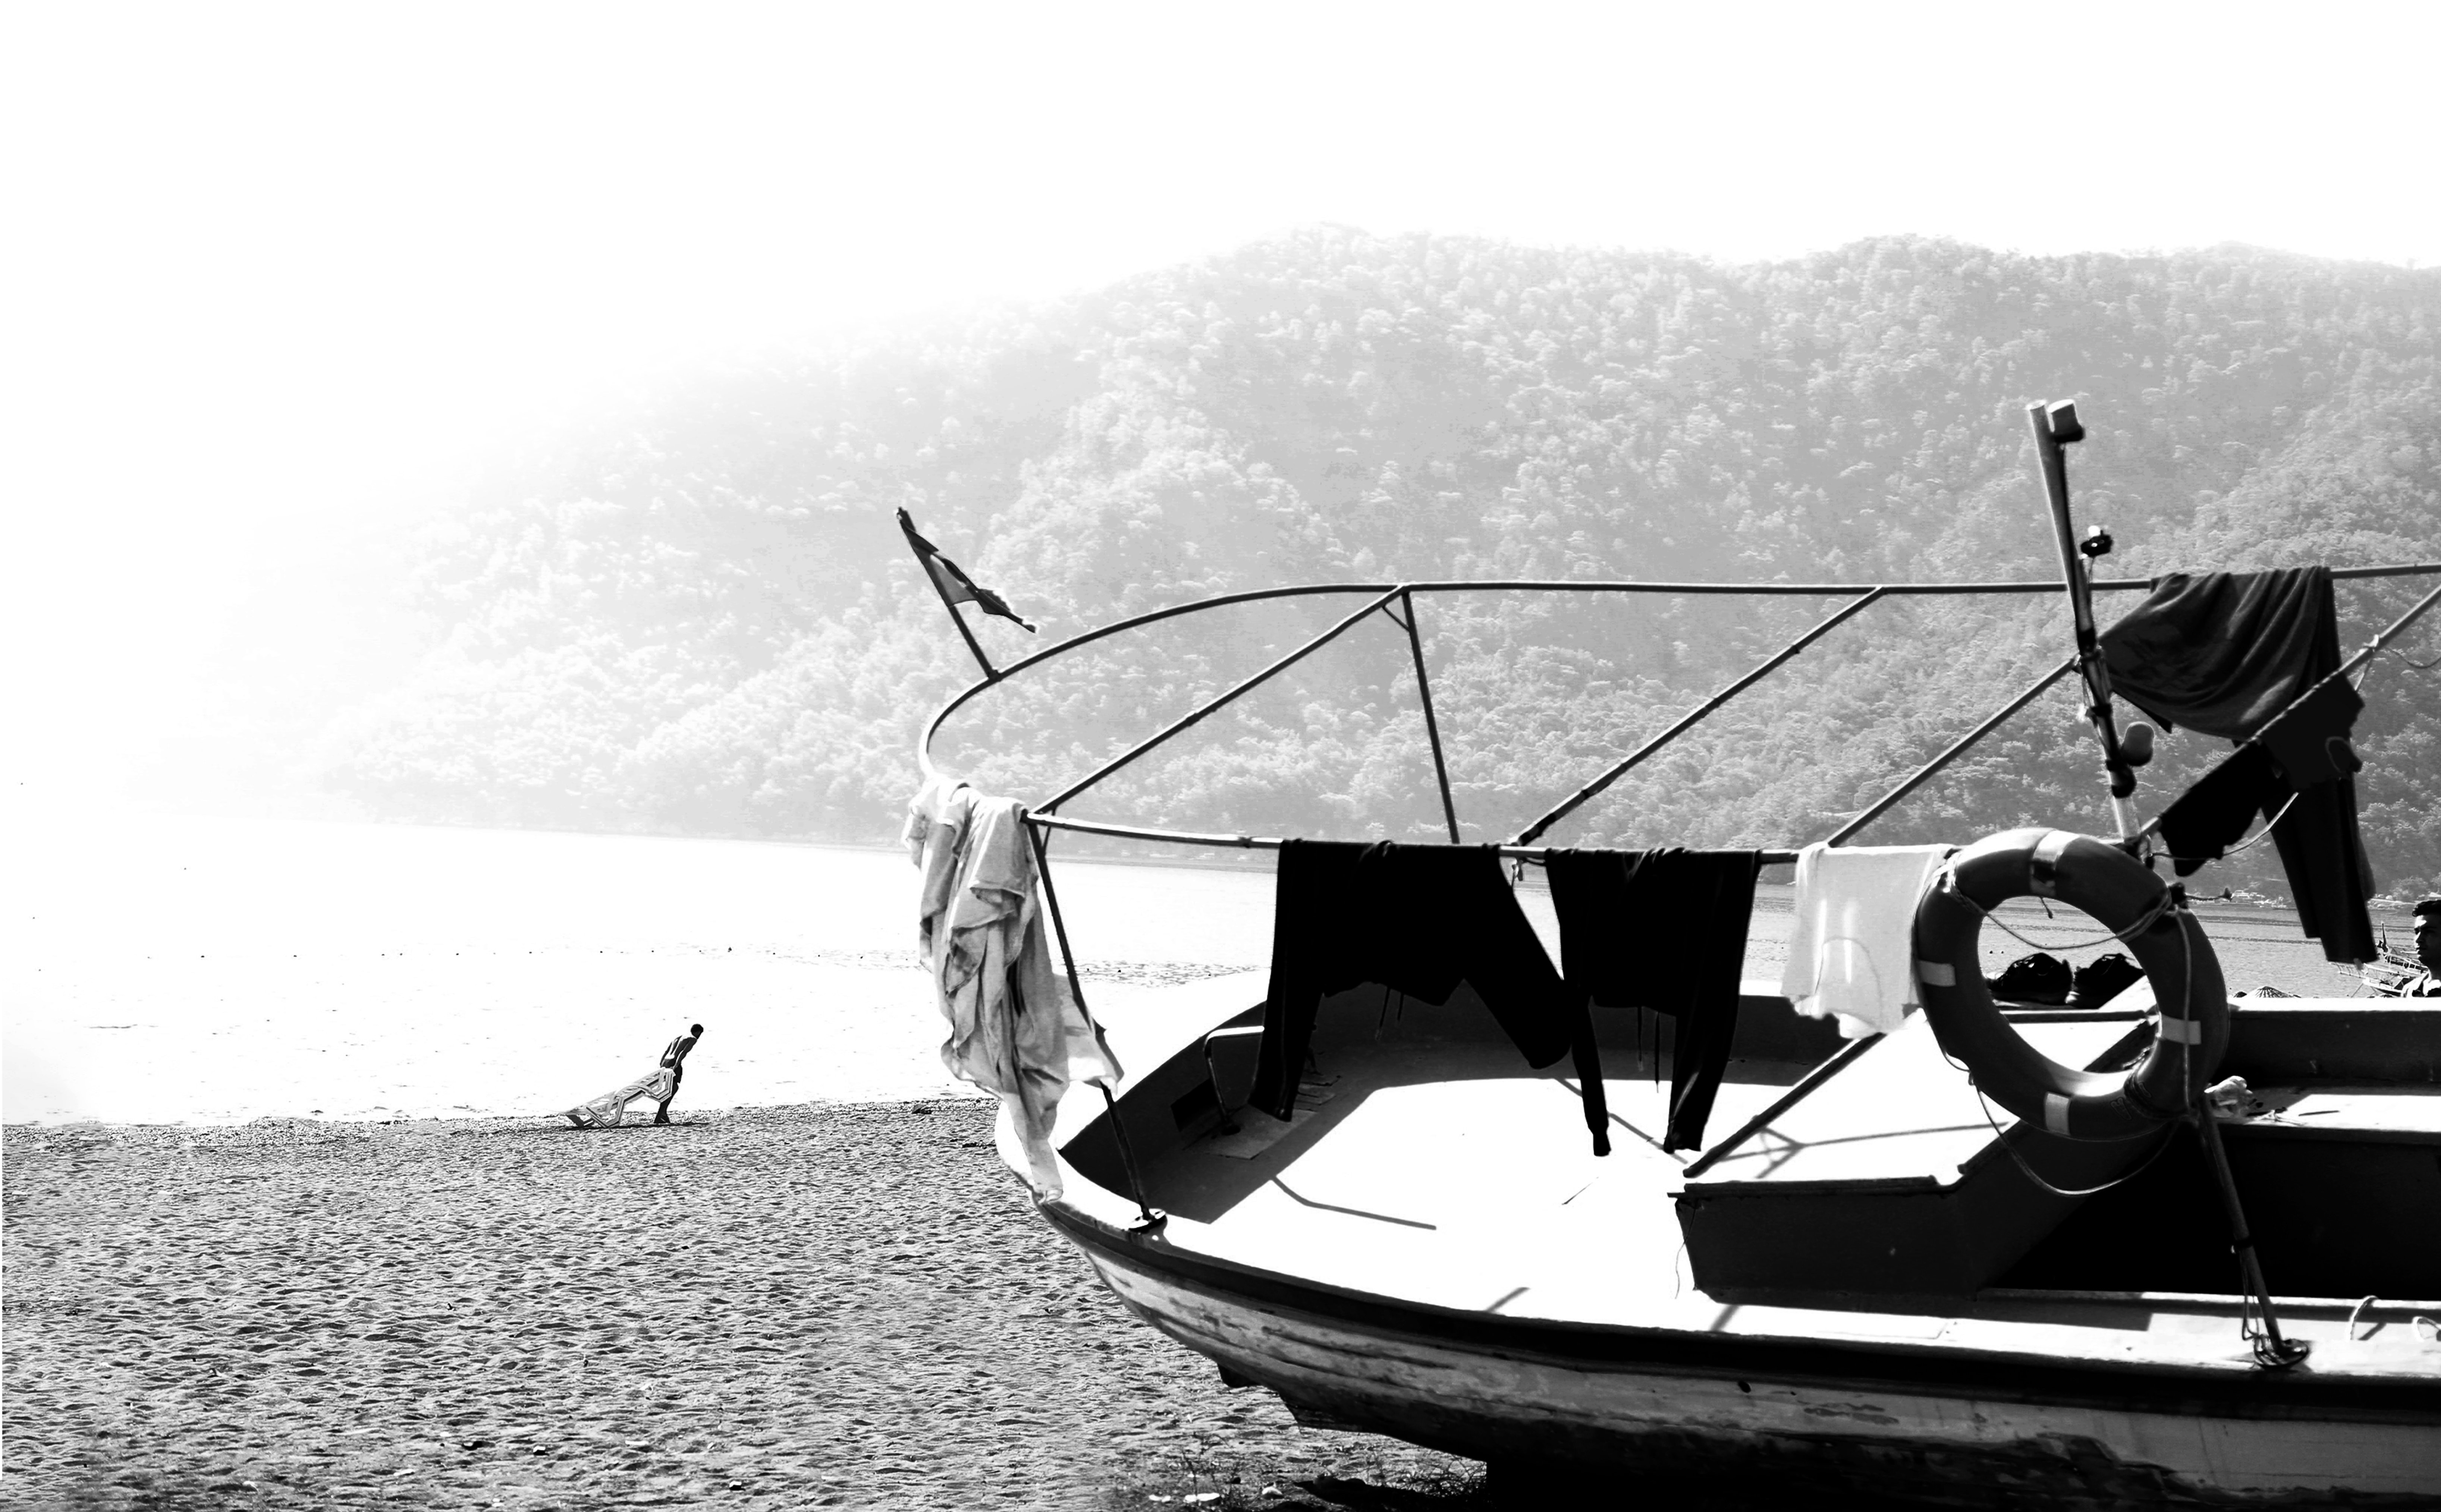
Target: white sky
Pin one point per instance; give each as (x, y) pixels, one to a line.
(271, 271)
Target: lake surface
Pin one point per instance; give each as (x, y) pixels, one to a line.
(184, 970)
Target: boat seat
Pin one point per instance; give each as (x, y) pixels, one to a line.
(1895, 1176)
(2339, 1170)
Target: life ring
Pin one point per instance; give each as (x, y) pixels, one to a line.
(2130, 901)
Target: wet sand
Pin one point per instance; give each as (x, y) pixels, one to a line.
(840, 1305)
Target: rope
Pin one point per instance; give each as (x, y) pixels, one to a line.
(2036, 1176)
(2246, 844)
(2186, 1066)
(2414, 665)
(2415, 1320)
(2143, 922)
(1150, 1218)
(2269, 1350)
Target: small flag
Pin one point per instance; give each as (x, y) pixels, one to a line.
(956, 587)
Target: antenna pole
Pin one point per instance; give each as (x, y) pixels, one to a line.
(2055, 428)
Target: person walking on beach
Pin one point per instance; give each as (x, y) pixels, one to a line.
(673, 1056)
(660, 1085)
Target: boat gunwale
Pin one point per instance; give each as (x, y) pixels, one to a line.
(2232, 1387)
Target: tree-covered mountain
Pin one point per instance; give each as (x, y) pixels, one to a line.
(701, 617)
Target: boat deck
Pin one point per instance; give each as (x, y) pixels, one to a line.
(1425, 1159)
(1422, 1172)
(1428, 1166)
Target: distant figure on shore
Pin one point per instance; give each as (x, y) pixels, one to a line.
(673, 1056)
(662, 1086)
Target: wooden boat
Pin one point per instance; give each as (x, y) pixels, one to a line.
(1878, 1285)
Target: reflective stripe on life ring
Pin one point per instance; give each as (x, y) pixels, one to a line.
(2119, 892)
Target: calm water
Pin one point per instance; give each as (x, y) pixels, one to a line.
(190, 970)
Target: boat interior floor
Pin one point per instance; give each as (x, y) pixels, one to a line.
(1426, 1162)
(1440, 1170)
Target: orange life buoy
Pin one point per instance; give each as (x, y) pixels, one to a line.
(2116, 889)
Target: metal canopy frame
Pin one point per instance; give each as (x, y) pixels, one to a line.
(2054, 427)
(1396, 601)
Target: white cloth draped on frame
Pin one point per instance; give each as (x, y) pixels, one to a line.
(1852, 954)
(1015, 1028)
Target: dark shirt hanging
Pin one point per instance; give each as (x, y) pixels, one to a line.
(1667, 931)
(2226, 653)
(2223, 651)
(1418, 919)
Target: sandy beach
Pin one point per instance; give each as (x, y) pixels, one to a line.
(842, 1305)
(290, 1221)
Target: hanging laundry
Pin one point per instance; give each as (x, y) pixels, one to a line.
(1667, 931)
(2320, 845)
(2311, 741)
(2330, 878)
(1015, 1028)
(2223, 651)
(1418, 918)
(2227, 654)
(934, 836)
(1852, 954)
(2204, 821)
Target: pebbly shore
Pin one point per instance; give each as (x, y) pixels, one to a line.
(819, 1305)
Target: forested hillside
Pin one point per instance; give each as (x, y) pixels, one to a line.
(700, 615)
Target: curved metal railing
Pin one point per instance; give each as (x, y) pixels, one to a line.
(1379, 598)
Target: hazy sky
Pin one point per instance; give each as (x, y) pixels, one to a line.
(271, 270)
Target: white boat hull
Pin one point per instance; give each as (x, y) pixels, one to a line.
(2116, 1439)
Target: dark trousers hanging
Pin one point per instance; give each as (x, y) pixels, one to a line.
(1418, 919)
(1665, 930)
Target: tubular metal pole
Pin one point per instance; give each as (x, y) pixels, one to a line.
(1197, 717)
(2055, 426)
(1432, 725)
(1804, 1089)
(1224, 601)
(1272, 842)
(2381, 638)
(990, 673)
(1927, 769)
(1585, 794)
(1151, 1217)
(2271, 1350)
